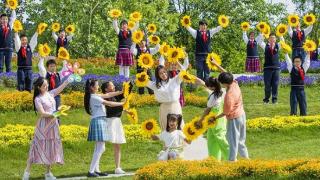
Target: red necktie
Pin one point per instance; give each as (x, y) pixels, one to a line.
(174, 73)
(251, 43)
(301, 73)
(61, 42)
(53, 80)
(125, 34)
(299, 34)
(5, 31)
(271, 50)
(24, 52)
(204, 36)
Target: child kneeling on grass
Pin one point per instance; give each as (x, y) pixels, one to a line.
(173, 139)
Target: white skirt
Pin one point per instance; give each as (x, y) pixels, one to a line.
(115, 132)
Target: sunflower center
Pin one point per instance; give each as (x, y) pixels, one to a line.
(11, 3)
(261, 26)
(63, 54)
(293, 20)
(154, 38)
(186, 77)
(145, 60)
(198, 126)
(190, 131)
(142, 78)
(223, 20)
(186, 21)
(138, 36)
(281, 30)
(135, 15)
(149, 126)
(245, 26)
(174, 54)
(309, 45)
(309, 18)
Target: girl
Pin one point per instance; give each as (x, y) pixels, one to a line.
(95, 106)
(252, 61)
(217, 143)
(46, 146)
(173, 139)
(115, 130)
(62, 40)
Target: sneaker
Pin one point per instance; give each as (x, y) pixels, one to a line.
(102, 173)
(49, 176)
(119, 171)
(274, 102)
(26, 175)
(92, 174)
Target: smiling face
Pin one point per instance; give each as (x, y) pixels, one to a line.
(272, 39)
(124, 26)
(203, 27)
(163, 74)
(173, 123)
(24, 41)
(110, 87)
(94, 89)
(251, 36)
(4, 20)
(297, 62)
(62, 34)
(44, 87)
(52, 68)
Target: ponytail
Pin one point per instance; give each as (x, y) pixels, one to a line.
(87, 94)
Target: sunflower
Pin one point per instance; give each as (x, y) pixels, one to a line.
(267, 31)
(41, 28)
(17, 26)
(131, 24)
(154, 39)
(70, 28)
(293, 20)
(174, 54)
(150, 127)
(309, 19)
(261, 26)
(245, 26)
(125, 88)
(164, 49)
(126, 104)
(135, 16)
(223, 21)
(44, 50)
(142, 79)
(133, 118)
(281, 30)
(207, 120)
(137, 36)
(189, 132)
(214, 56)
(55, 27)
(115, 13)
(12, 4)
(285, 47)
(146, 61)
(63, 53)
(182, 52)
(198, 127)
(152, 28)
(185, 21)
(186, 77)
(309, 45)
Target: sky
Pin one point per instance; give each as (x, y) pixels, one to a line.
(290, 6)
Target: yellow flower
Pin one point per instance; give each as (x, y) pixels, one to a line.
(133, 118)
(281, 30)
(125, 88)
(152, 28)
(174, 55)
(198, 127)
(17, 26)
(70, 28)
(223, 21)
(214, 56)
(146, 61)
(293, 20)
(189, 132)
(309, 45)
(285, 47)
(150, 127)
(261, 26)
(164, 49)
(245, 26)
(41, 28)
(137, 36)
(135, 16)
(142, 79)
(131, 24)
(12, 4)
(185, 21)
(126, 104)
(186, 77)
(115, 13)
(267, 31)
(207, 120)
(55, 27)
(63, 54)
(309, 19)
(44, 50)
(154, 39)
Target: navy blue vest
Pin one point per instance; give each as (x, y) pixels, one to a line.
(25, 63)
(125, 42)
(202, 48)
(57, 80)
(252, 52)
(271, 61)
(139, 52)
(65, 44)
(295, 77)
(296, 43)
(8, 41)
(314, 55)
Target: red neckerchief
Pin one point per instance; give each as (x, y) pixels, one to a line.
(299, 34)
(271, 50)
(53, 80)
(61, 42)
(204, 36)
(301, 73)
(125, 34)
(174, 73)
(24, 52)
(5, 31)
(251, 43)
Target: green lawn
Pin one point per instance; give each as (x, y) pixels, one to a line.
(283, 144)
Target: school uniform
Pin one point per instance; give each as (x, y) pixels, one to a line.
(124, 56)
(54, 81)
(298, 38)
(252, 60)
(61, 42)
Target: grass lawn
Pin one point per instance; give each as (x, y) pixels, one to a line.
(283, 144)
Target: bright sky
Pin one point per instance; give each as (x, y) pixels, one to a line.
(290, 6)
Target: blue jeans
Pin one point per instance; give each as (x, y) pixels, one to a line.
(299, 52)
(24, 78)
(203, 71)
(271, 82)
(5, 58)
(297, 95)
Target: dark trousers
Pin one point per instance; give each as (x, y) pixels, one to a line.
(5, 58)
(271, 82)
(24, 78)
(203, 71)
(297, 95)
(58, 101)
(141, 89)
(299, 52)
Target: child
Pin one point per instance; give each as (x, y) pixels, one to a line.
(203, 44)
(115, 132)
(252, 61)
(234, 112)
(297, 75)
(24, 62)
(95, 106)
(46, 146)
(137, 50)
(218, 146)
(173, 139)
(6, 39)
(124, 57)
(62, 40)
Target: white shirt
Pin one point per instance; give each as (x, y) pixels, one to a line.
(258, 39)
(33, 42)
(214, 101)
(153, 51)
(97, 108)
(305, 65)
(55, 37)
(307, 30)
(173, 139)
(43, 71)
(117, 29)
(212, 31)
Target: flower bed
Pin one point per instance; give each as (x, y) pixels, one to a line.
(314, 66)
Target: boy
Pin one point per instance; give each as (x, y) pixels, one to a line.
(62, 40)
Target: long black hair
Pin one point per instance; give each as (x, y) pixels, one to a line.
(104, 86)
(158, 79)
(87, 94)
(37, 85)
(213, 82)
(175, 117)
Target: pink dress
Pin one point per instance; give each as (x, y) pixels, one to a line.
(46, 146)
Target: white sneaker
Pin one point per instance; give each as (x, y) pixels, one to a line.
(49, 176)
(119, 171)
(26, 175)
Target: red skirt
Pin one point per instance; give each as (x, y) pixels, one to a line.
(252, 64)
(124, 57)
